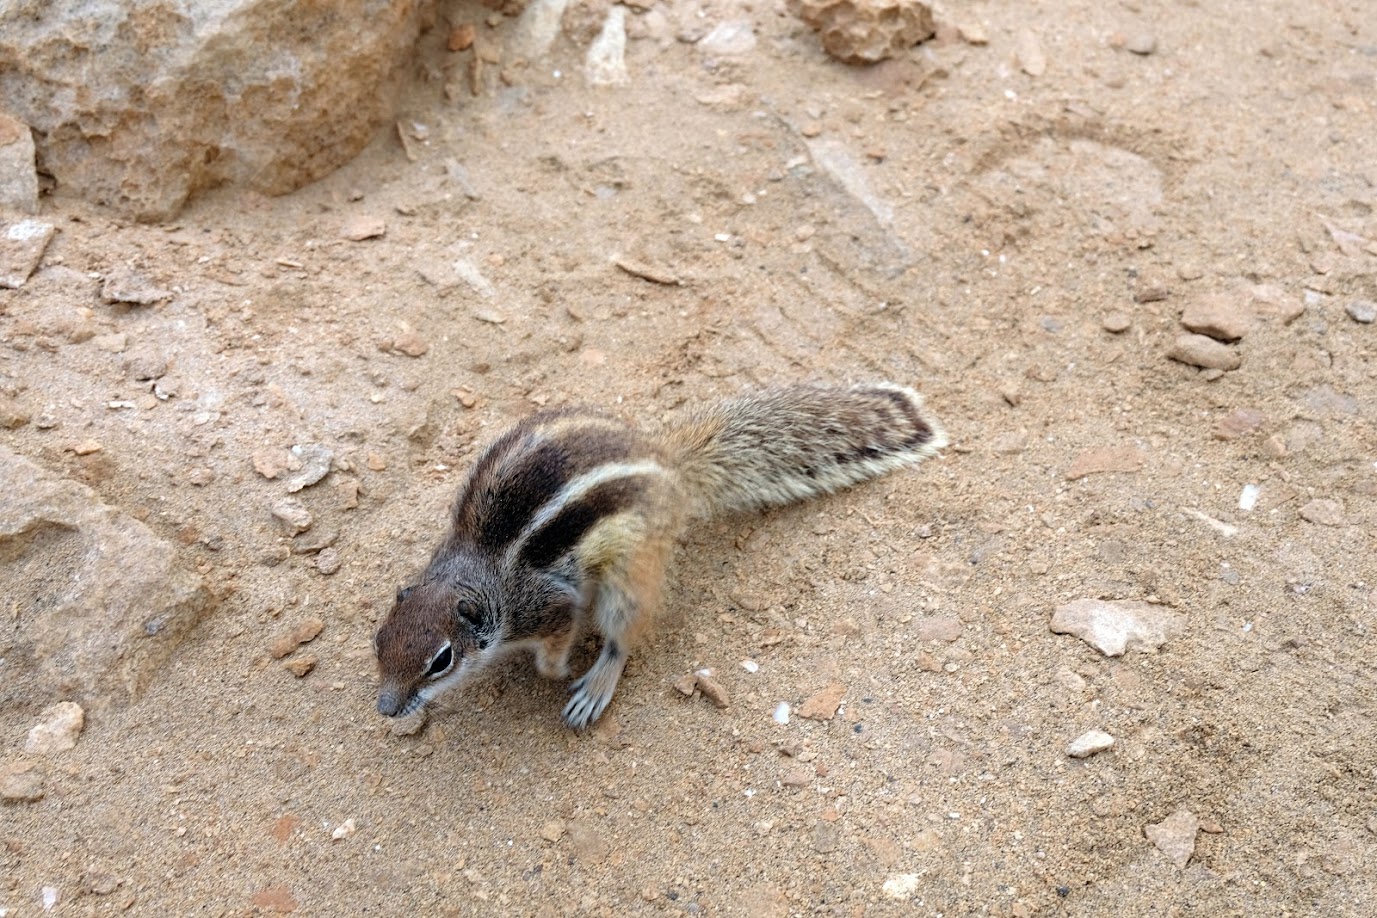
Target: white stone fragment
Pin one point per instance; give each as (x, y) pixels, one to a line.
(1247, 500)
(605, 64)
(1089, 743)
(1114, 627)
(781, 714)
(901, 886)
(58, 730)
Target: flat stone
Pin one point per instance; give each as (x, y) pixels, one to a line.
(733, 36)
(359, 227)
(301, 666)
(1175, 836)
(1221, 316)
(21, 782)
(302, 632)
(104, 602)
(1116, 322)
(1113, 627)
(57, 729)
(22, 246)
(1089, 743)
(1323, 512)
(315, 461)
(1204, 352)
(1143, 43)
(823, 705)
(937, 628)
(712, 690)
(130, 285)
(1105, 459)
(1031, 58)
(1240, 423)
(293, 514)
(1363, 311)
(588, 845)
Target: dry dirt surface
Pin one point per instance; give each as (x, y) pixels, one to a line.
(1013, 218)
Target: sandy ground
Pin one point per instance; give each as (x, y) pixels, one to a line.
(1019, 247)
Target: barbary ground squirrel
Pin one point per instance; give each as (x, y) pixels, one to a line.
(567, 521)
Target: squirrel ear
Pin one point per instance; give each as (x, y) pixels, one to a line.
(465, 610)
(403, 593)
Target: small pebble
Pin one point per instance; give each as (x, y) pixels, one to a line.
(58, 729)
(711, 688)
(21, 782)
(781, 714)
(1143, 43)
(553, 830)
(1221, 316)
(1364, 311)
(1089, 743)
(937, 628)
(301, 666)
(315, 462)
(1175, 836)
(1028, 49)
(303, 632)
(1323, 512)
(1116, 322)
(362, 226)
(269, 462)
(411, 344)
(292, 513)
(344, 830)
(328, 561)
(822, 705)
(1247, 500)
(127, 285)
(1206, 353)
(750, 666)
(1240, 423)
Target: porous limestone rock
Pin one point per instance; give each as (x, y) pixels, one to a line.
(95, 602)
(866, 31)
(18, 180)
(139, 104)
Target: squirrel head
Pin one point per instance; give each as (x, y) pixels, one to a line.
(437, 633)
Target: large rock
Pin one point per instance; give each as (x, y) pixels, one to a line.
(140, 103)
(866, 31)
(18, 180)
(94, 601)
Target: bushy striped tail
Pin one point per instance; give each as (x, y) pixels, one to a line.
(778, 446)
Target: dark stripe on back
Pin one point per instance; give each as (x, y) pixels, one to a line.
(558, 536)
(527, 467)
(519, 491)
(465, 515)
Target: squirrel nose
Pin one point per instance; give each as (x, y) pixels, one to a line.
(389, 703)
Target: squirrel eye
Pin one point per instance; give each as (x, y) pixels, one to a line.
(441, 663)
